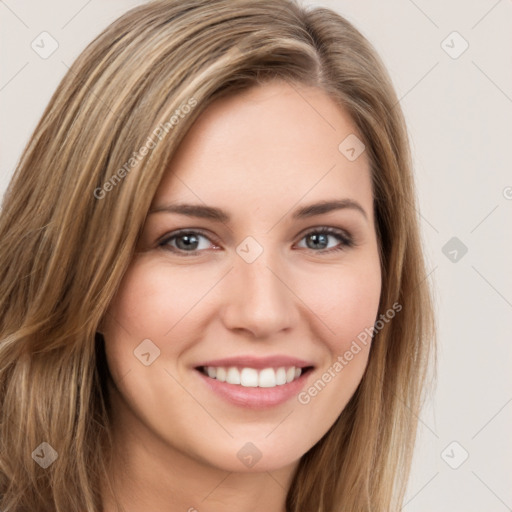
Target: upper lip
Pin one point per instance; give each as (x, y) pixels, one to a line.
(258, 362)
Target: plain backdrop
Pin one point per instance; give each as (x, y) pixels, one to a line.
(451, 65)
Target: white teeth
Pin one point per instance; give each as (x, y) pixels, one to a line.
(281, 376)
(233, 376)
(252, 378)
(267, 378)
(249, 378)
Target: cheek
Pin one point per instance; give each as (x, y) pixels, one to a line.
(156, 303)
(347, 301)
(142, 309)
(151, 301)
(358, 306)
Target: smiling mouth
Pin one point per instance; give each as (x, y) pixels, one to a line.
(254, 378)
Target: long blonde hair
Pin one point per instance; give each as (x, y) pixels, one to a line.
(71, 220)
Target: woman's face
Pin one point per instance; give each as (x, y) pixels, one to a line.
(251, 294)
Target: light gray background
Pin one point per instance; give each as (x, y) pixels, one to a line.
(459, 113)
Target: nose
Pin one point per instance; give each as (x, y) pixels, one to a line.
(259, 298)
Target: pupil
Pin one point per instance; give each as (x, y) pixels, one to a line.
(190, 240)
(320, 238)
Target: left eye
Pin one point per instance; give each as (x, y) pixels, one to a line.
(321, 237)
(190, 241)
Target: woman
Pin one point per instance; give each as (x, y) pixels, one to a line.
(212, 284)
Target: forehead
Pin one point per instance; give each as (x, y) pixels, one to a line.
(269, 145)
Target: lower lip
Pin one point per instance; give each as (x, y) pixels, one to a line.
(255, 398)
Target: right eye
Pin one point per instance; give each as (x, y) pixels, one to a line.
(185, 242)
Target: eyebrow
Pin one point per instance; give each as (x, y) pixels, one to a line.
(219, 215)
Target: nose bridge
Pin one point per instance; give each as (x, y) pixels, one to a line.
(260, 278)
(260, 300)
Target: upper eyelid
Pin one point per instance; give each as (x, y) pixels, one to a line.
(174, 234)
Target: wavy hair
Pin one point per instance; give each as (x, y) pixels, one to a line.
(66, 243)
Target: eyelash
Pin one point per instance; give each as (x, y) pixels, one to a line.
(343, 237)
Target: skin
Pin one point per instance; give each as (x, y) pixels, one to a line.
(258, 155)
